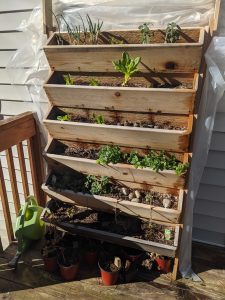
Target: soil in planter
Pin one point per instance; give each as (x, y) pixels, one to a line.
(131, 37)
(139, 80)
(76, 182)
(113, 223)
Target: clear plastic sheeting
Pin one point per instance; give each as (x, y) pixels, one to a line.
(213, 90)
(125, 14)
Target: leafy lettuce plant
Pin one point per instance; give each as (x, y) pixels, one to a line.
(127, 66)
(68, 79)
(172, 33)
(98, 119)
(64, 118)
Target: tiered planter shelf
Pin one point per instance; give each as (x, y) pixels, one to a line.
(183, 56)
(174, 68)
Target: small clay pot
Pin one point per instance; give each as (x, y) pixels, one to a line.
(133, 254)
(51, 263)
(90, 257)
(163, 264)
(69, 273)
(108, 278)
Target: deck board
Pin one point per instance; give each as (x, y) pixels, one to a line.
(30, 281)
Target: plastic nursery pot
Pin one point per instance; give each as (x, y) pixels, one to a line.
(108, 277)
(163, 264)
(69, 273)
(132, 254)
(90, 257)
(51, 263)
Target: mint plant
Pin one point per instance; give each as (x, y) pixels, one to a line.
(97, 186)
(109, 154)
(145, 33)
(172, 33)
(68, 79)
(94, 82)
(64, 118)
(98, 119)
(127, 66)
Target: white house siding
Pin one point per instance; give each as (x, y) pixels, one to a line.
(14, 99)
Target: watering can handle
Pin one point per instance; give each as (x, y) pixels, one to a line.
(29, 200)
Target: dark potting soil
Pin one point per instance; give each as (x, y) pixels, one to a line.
(129, 37)
(109, 266)
(151, 125)
(139, 80)
(114, 223)
(77, 184)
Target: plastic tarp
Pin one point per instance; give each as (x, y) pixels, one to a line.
(130, 14)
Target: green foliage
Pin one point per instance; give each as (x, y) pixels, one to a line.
(98, 119)
(134, 159)
(145, 33)
(115, 41)
(97, 186)
(109, 154)
(172, 33)
(181, 168)
(68, 80)
(94, 29)
(127, 65)
(64, 118)
(74, 32)
(94, 82)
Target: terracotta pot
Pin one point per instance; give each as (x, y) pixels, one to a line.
(133, 254)
(90, 257)
(163, 264)
(108, 278)
(69, 273)
(51, 264)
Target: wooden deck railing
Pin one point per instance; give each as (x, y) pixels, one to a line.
(13, 131)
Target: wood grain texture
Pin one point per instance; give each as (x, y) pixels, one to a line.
(119, 171)
(108, 204)
(170, 140)
(176, 101)
(23, 169)
(176, 57)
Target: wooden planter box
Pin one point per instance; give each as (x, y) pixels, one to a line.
(184, 56)
(109, 204)
(163, 100)
(170, 140)
(125, 241)
(119, 171)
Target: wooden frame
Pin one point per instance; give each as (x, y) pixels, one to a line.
(170, 140)
(117, 238)
(108, 204)
(176, 57)
(164, 100)
(118, 171)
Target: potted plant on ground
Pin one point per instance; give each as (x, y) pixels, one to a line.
(110, 267)
(68, 263)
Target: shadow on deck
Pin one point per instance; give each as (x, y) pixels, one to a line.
(31, 281)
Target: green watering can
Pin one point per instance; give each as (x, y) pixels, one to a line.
(29, 227)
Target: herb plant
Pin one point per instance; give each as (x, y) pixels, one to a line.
(127, 65)
(98, 119)
(68, 79)
(74, 32)
(110, 154)
(172, 33)
(145, 33)
(64, 118)
(94, 29)
(94, 82)
(115, 41)
(134, 159)
(97, 186)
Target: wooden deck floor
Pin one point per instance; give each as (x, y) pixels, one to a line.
(30, 281)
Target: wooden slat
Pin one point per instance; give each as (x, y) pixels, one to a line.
(5, 206)
(14, 92)
(170, 140)
(36, 165)
(11, 21)
(108, 204)
(119, 171)
(176, 101)
(16, 129)
(23, 169)
(47, 17)
(176, 57)
(12, 40)
(5, 56)
(12, 175)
